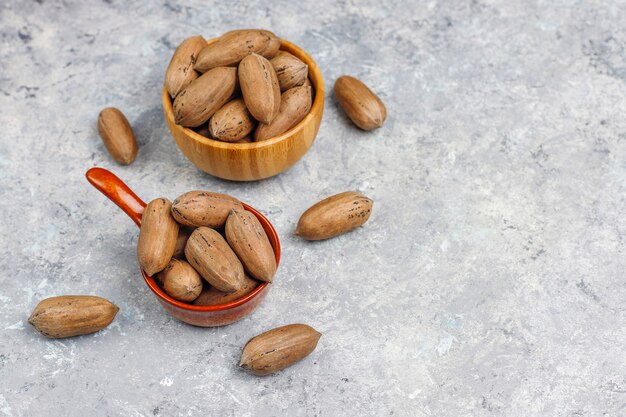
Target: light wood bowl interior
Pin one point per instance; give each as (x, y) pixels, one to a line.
(256, 160)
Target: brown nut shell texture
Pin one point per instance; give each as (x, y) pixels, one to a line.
(232, 122)
(290, 71)
(204, 96)
(295, 104)
(259, 87)
(361, 105)
(117, 135)
(157, 236)
(215, 261)
(180, 281)
(203, 208)
(246, 237)
(180, 72)
(72, 315)
(211, 296)
(334, 215)
(235, 45)
(278, 348)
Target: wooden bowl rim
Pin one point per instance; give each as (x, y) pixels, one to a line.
(273, 238)
(318, 102)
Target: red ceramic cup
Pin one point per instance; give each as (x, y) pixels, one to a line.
(205, 316)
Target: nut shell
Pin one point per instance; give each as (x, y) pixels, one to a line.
(334, 215)
(215, 261)
(211, 296)
(203, 208)
(307, 83)
(259, 87)
(180, 281)
(181, 241)
(232, 122)
(72, 315)
(295, 104)
(157, 236)
(235, 45)
(290, 71)
(180, 72)
(361, 105)
(117, 135)
(204, 96)
(246, 237)
(278, 348)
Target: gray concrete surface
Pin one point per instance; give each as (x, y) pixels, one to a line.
(488, 282)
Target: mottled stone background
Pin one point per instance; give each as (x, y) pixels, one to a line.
(489, 280)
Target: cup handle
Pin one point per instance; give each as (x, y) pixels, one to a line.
(117, 191)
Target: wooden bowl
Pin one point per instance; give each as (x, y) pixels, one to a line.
(257, 160)
(204, 316)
